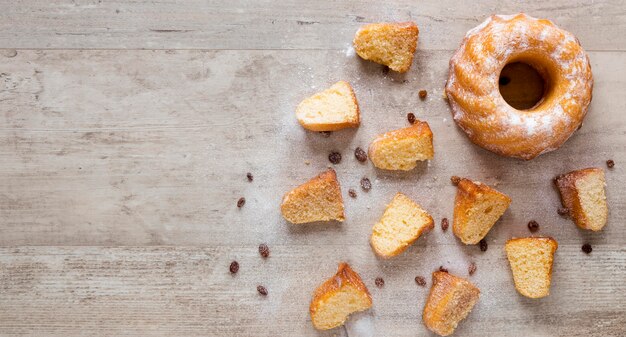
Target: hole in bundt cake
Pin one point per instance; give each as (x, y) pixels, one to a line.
(521, 85)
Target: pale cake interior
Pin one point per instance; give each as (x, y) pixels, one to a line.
(531, 264)
(483, 214)
(402, 153)
(335, 309)
(387, 44)
(332, 106)
(592, 198)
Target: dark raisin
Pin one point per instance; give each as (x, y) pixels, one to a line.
(241, 202)
(444, 224)
(335, 157)
(385, 70)
(379, 282)
(261, 290)
(441, 268)
(587, 248)
(410, 117)
(455, 180)
(264, 250)
(420, 281)
(352, 193)
(563, 211)
(533, 226)
(250, 177)
(325, 134)
(360, 155)
(234, 267)
(366, 184)
(423, 94)
(610, 163)
(483, 245)
(472, 268)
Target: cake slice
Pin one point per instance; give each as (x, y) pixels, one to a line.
(531, 263)
(402, 223)
(450, 300)
(332, 109)
(582, 193)
(477, 207)
(401, 149)
(319, 199)
(338, 297)
(391, 44)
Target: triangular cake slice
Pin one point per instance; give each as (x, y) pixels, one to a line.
(403, 222)
(319, 199)
(531, 263)
(477, 207)
(582, 193)
(450, 300)
(332, 109)
(401, 149)
(391, 44)
(338, 297)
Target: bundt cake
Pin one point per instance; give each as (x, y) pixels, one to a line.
(391, 44)
(531, 263)
(477, 207)
(400, 149)
(338, 297)
(450, 300)
(474, 76)
(319, 199)
(582, 193)
(332, 109)
(403, 222)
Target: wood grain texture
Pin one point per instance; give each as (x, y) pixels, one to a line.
(289, 24)
(167, 291)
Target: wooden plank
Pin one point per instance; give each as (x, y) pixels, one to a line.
(290, 24)
(152, 147)
(167, 291)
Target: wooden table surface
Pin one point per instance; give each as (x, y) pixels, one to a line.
(127, 129)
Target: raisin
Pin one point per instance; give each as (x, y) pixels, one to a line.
(587, 248)
(441, 268)
(264, 250)
(352, 193)
(335, 157)
(366, 184)
(410, 117)
(325, 134)
(472, 268)
(360, 155)
(533, 226)
(610, 163)
(250, 177)
(483, 245)
(563, 211)
(420, 281)
(241, 202)
(234, 267)
(455, 180)
(444, 224)
(422, 94)
(261, 290)
(379, 282)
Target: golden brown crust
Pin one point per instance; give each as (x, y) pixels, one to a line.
(419, 129)
(449, 301)
(326, 180)
(534, 241)
(344, 276)
(566, 183)
(467, 195)
(410, 40)
(354, 123)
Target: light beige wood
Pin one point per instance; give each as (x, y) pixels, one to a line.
(147, 150)
(288, 24)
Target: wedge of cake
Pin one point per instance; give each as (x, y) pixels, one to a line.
(582, 193)
(401, 149)
(403, 222)
(531, 263)
(391, 44)
(338, 297)
(319, 199)
(477, 207)
(450, 300)
(332, 109)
